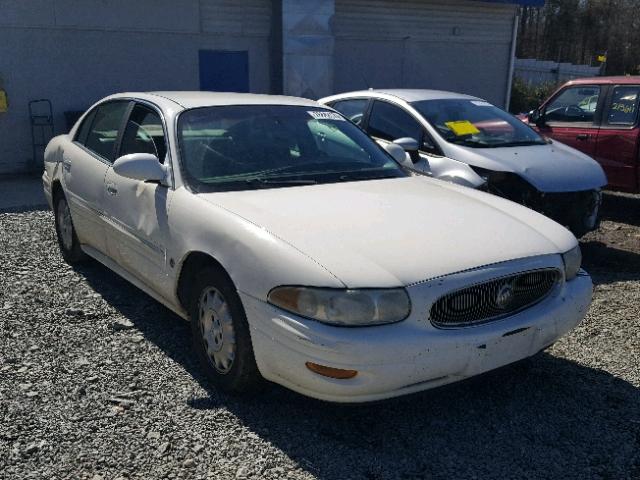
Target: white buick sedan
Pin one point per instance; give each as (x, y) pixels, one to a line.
(302, 252)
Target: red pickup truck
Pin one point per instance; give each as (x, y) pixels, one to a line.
(598, 116)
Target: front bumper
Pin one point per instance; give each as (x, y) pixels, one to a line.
(578, 211)
(406, 357)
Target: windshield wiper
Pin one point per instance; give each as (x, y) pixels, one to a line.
(257, 181)
(524, 143)
(357, 176)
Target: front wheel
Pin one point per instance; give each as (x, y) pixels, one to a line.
(221, 335)
(588, 218)
(66, 233)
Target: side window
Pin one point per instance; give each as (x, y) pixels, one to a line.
(144, 133)
(83, 131)
(623, 109)
(574, 105)
(390, 123)
(352, 109)
(102, 136)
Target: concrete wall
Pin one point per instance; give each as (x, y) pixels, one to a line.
(75, 53)
(537, 72)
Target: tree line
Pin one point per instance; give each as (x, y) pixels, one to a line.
(591, 32)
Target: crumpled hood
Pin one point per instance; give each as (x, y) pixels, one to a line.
(553, 167)
(393, 232)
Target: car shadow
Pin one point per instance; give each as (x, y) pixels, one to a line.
(621, 208)
(547, 417)
(609, 264)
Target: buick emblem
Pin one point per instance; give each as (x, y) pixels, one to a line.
(504, 297)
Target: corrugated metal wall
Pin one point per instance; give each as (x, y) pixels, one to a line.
(75, 53)
(456, 45)
(247, 18)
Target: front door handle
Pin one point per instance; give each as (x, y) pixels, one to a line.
(66, 164)
(583, 136)
(111, 189)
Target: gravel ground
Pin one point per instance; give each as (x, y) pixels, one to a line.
(97, 381)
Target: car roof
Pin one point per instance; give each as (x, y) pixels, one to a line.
(619, 80)
(416, 95)
(409, 94)
(194, 99)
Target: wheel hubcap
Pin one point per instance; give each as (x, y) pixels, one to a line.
(65, 227)
(216, 327)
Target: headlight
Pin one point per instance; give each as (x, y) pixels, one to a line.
(344, 307)
(572, 261)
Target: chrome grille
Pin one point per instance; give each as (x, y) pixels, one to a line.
(493, 300)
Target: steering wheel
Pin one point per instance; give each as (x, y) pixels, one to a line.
(357, 118)
(573, 111)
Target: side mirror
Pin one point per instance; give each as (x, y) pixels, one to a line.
(535, 117)
(411, 146)
(408, 144)
(140, 166)
(398, 154)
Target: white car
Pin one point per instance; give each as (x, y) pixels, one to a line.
(468, 141)
(302, 252)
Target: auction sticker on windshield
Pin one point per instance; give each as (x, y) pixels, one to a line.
(462, 127)
(323, 115)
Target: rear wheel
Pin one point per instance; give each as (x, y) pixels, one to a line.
(66, 233)
(221, 335)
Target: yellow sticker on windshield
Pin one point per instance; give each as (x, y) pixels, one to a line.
(462, 127)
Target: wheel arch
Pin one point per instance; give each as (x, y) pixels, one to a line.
(190, 265)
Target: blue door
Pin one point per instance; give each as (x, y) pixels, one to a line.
(224, 71)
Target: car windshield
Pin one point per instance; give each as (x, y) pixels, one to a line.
(266, 146)
(476, 124)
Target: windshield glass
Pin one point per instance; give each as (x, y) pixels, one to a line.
(476, 124)
(265, 146)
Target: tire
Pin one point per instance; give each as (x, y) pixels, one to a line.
(220, 333)
(66, 232)
(589, 217)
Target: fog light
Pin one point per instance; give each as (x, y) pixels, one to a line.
(330, 371)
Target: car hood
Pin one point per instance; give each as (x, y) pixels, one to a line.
(553, 167)
(393, 232)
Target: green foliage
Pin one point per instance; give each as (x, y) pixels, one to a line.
(525, 97)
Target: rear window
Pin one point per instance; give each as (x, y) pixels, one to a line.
(623, 109)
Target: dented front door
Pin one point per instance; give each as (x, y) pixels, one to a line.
(137, 211)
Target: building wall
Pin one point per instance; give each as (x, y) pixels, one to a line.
(457, 45)
(75, 53)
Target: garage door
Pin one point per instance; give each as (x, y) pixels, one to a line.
(458, 45)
